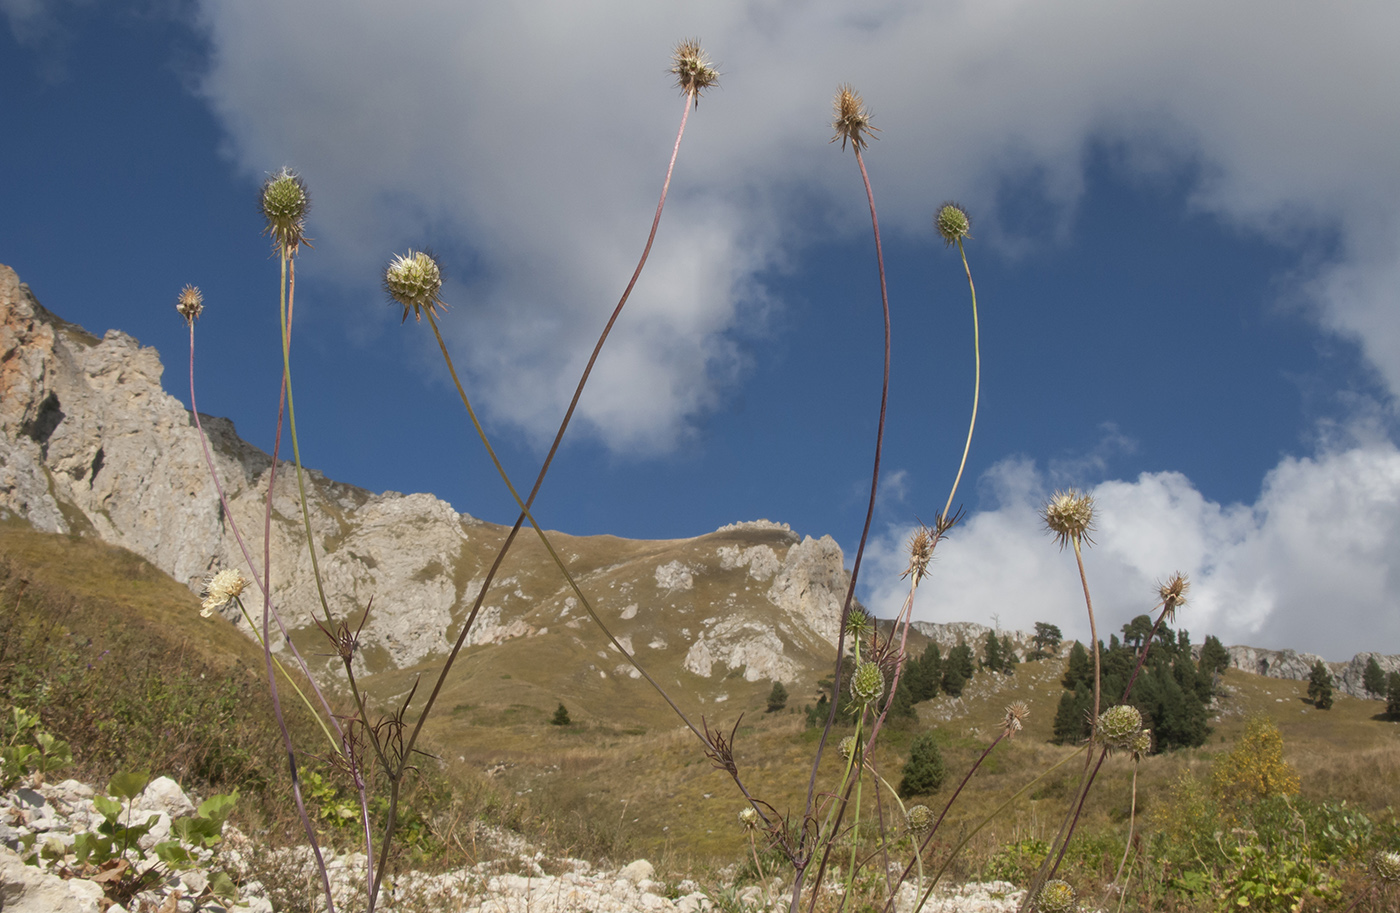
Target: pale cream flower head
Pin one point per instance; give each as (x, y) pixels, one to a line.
(1070, 516)
(223, 586)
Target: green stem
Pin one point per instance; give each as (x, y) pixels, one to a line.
(977, 381)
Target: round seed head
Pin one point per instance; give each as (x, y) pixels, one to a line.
(852, 120)
(1142, 744)
(858, 622)
(414, 280)
(920, 819)
(1118, 727)
(1055, 897)
(190, 303)
(284, 202)
(849, 746)
(1386, 867)
(222, 587)
(1070, 516)
(692, 68)
(952, 223)
(868, 683)
(748, 819)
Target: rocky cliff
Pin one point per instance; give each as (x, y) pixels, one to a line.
(90, 443)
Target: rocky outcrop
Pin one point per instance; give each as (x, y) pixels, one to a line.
(91, 443)
(1347, 677)
(811, 586)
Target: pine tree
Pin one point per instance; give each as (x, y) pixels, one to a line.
(1215, 659)
(1009, 659)
(957, 671)
(777, 698)
(1373, 679)
(1320, 686)
(991, 653)
(1047, 640)
(1392, 694)
(1079, 668)
(561, 716)
(924, 771)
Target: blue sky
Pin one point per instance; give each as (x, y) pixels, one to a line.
(1186, 242)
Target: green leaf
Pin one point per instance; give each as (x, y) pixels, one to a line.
(218, 808)
(109, 808)
(220, 885)
(129, 784)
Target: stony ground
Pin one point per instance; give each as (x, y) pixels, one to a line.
(40, 872)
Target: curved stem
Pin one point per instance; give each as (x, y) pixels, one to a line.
(977, 380)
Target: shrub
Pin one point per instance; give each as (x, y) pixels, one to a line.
(561, 716)
(924, 771)
(777, 698)
(1255, 768)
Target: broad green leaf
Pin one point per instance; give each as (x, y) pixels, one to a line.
(128, 784)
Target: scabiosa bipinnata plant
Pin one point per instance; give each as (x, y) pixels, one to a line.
(1015, 718)
(284, 202)
(1386, 867)
(1118, 727)
(190, 304)
(920, 553)
(1070, 516)
(748, 819)
(692, 68)
(1173, 594)
(849, 746)
(414, 280)
(852, 120)
(223, 586)
(868, 683)
(952, 223)
(920, 819)
(1056, 897)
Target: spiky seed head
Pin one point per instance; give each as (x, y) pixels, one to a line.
(1118, 727)
(748, 819)
(920, 553)
(849, 746)
(868, 683)
(952, 223)
(852, 120)
(222, 587)
(1173, 594)
(858, 622)
(190, 304)
(1015, 718)
(414, 280)
(284, 202)
(1070, 516)
(1056, 896)
(920, 819)
(1386, 867)
(693, 70)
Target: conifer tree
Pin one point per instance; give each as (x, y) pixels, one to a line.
(561, 716)
(1392, 694)
(777, 698)
(1320, 686)
(1215, 659)
(924, 771)
(1373, 679)
(1047, 640)
(991, 653)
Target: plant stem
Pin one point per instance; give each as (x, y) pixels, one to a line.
(977, 382)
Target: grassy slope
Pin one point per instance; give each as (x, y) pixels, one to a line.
(627, 778)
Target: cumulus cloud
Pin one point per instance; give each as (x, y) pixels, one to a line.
(1310, 565)
(529, 140)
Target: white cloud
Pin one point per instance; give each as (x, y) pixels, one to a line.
(533, 138)
(1311, 565)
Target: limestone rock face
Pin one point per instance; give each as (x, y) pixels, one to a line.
(1347, 677)
(92, 444)
(811, 586)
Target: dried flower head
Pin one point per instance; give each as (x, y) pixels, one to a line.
(1070, 516)
(190, 303)
(748, 819)
(223, 586)
(1118, 727)
(693, 70)
(920, 819)
(1386, 867)
(414, 280)
(1055, 897)
(852, 119)
(849, 746)
(952, 223)
(284, 202)
(1015, 718)
(868, 683)
(920, 553)
(1173, 594)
